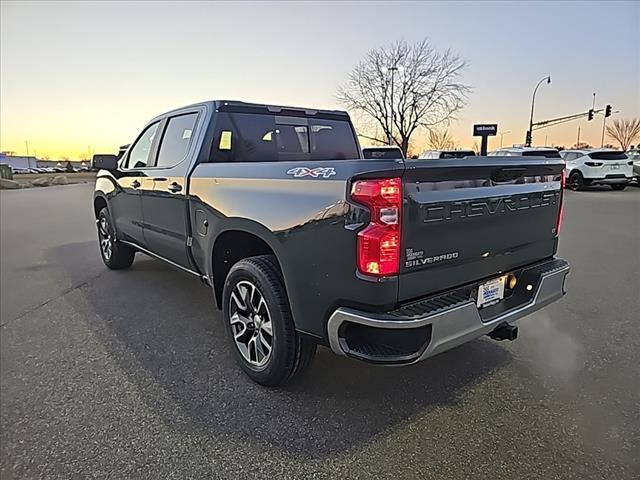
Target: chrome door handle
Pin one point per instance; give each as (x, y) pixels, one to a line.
(135, 184)
(174, 187)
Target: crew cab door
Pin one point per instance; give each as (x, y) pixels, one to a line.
(126, 205)
(164, 192)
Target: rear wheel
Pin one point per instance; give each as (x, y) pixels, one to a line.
(618, 187)
(114, 254)
(260, 325)
(576, 181)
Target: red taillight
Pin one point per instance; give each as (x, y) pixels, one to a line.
(561, 210)
(379, 242)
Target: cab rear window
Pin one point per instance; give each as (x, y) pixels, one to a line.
(253, 137)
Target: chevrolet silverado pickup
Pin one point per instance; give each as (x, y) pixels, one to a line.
(304, 242)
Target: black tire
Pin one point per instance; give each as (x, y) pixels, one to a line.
(576, 181)
(618, 187)
(290, 354)
(114, 254)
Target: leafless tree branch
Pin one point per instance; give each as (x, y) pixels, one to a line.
(624, 131)
(427, 93)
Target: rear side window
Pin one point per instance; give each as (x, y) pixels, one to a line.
(249, 137)
(176, 139)
(608, 155)
(542, 153)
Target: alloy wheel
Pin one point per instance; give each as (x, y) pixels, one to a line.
(251, 323)
(106, 243)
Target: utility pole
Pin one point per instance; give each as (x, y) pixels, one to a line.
(26, 142)
(578, 140)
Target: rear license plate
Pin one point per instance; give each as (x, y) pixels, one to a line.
(490, 292)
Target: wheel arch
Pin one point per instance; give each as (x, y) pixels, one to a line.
(99, 202)
(234, 243)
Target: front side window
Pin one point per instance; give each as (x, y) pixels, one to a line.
(176, 139)
(139, 156)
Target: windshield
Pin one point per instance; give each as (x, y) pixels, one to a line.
(541, 153)
(458, 154)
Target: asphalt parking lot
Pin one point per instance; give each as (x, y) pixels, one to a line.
(128, 375)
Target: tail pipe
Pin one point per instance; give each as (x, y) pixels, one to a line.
(504, 332)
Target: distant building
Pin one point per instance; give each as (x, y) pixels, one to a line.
(15, 161)
(62, 163)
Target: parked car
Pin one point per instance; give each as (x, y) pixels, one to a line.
(304, 242)
(433, 154)
(597, 167)
(34, 170)
(634, 156)
(519, 151)
(385, 151)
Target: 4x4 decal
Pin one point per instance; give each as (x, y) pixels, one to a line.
(323, 172)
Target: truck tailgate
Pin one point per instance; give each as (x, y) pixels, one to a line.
(468, 219)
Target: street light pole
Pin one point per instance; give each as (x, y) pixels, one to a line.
(393, 70)
(502, 134)
(533, 100)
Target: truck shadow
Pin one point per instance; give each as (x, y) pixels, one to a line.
(162, 328)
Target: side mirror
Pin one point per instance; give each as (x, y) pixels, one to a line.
(104, 162)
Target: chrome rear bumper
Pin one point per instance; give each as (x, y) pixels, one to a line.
(448, 326)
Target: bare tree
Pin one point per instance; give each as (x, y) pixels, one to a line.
(441, 140)
(624, 131)
(427, 91)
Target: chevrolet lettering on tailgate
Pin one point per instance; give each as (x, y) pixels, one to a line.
(489, 206)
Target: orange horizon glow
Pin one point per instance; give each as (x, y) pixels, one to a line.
(78, 78)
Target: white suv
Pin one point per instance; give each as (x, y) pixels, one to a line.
(597, 167)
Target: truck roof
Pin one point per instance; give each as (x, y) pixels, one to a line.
(237, 106)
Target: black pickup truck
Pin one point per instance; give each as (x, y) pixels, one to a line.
(305, 242)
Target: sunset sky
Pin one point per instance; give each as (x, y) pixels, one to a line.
(79, 75)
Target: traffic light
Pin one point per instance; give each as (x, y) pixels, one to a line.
(527, 141)
(607, 111)
(590, 117)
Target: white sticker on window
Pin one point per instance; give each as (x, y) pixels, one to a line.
(186, 134)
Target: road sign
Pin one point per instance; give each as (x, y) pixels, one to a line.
(488, 129)
(485, 130)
